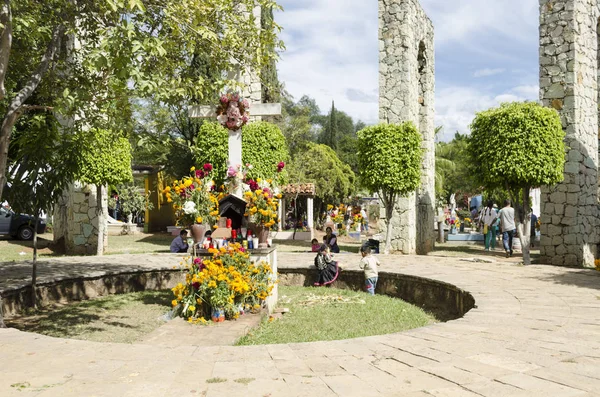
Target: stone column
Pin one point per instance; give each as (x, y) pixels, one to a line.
(310, 216)
(281, 213)
(406, 89)
(77, 221)
(569, 83)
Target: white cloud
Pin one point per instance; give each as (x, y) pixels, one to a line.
(488, 72)
(332, 54)
(456, 106)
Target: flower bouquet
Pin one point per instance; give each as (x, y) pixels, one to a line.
(232, 111)
(193, 197)
(225, 283)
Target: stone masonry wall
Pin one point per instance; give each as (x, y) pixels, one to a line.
(406, 93)
(569, 83)
(76, 220)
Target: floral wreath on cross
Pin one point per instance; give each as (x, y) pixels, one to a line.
(232, 111)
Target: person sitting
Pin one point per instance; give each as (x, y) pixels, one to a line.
(327, 267)
(179, 244)
(315, 245)
(330, 240)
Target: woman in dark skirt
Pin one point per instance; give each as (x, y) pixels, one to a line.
(327, 267)
(330, 240)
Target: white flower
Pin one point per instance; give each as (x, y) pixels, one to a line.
(189, 207)
(222, 118)
(245, 187)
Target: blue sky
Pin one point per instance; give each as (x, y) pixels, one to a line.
(486, 53)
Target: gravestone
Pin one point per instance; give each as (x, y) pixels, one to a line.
(569, 83)
(406, 93)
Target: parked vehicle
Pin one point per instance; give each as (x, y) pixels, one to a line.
(19, 225)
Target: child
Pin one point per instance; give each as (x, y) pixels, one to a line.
(369, 263)
(315, 245)
(327, 267)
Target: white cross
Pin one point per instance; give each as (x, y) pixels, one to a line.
(235, 136)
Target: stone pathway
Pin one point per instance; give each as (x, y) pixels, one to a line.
(535, 332)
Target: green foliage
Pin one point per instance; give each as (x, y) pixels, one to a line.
(453, 174)
(105, 157)
(133, 201)
(212, 147)
(390, 158)
(264, 146)
(517, 145)
(334, 180)
(42, 163)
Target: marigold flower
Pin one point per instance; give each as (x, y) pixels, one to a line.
(174, 302)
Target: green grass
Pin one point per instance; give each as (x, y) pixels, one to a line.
(116, 318)
(318, 314)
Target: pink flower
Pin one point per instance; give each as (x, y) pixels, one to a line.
(245, 104)
(224, 99)
(231, 172)
(198, 173)
(235, 97)
(280, 166)
(208, 167)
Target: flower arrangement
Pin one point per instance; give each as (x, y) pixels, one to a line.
(227, 280)
(232, 111)
(193, 197)
(467, 222)
(597, 264)
(262, 203)
(454, 222)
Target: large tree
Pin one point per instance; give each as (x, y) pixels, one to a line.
(390, 158)
(516, 147)
(87, 57)
(319, 164)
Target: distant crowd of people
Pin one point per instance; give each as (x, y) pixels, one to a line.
(494, 221)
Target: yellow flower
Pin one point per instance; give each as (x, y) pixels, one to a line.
(199, 219)
(168, 189)
(174, 302)
(258, 180)
(193, 169)
(192, 309)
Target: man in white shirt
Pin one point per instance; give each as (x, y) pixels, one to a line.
(365, 218)
(488, 218)
(507, 226)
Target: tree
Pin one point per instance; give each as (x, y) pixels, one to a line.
(212, 147)
(271, 87)
(43, 161)
(105, 159)
(390, 158)
(125, 49)
(264, 146)
(518, 146)
(318, 164)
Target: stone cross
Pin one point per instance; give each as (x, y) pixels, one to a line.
(235, 136)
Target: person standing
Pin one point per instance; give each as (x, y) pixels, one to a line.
(488, 218)
(534, 219)
(507, 225)
(365, 218)
(369, 264)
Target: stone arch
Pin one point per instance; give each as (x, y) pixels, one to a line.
(406, 93)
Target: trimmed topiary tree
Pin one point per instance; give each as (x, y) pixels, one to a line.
(105, 159)
(212, 147)
(390, 157)
(518, 146)
(264, 146)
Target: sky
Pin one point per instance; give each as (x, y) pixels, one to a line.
(486, 53)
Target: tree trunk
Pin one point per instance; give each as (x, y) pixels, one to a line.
(388, 202)
(101, 216)
(441, 237)
(15, 107)
(524, 227)
(34, 267)
(5, 43)
(2, 325)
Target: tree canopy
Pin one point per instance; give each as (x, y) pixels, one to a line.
(516, 147)
(319, 164)
(173, 51)
(390, 157)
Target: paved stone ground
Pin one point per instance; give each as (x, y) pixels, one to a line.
(535, 332)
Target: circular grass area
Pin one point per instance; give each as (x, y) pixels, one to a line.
(322, 314)
(116, 318)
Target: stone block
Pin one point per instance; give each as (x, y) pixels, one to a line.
(87, 230)
(571, 260)
(78, 198)
(570, 211)
(559, 209)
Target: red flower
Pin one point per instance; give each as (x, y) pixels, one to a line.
(253, 185)
(208, 167)
(280, 166)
